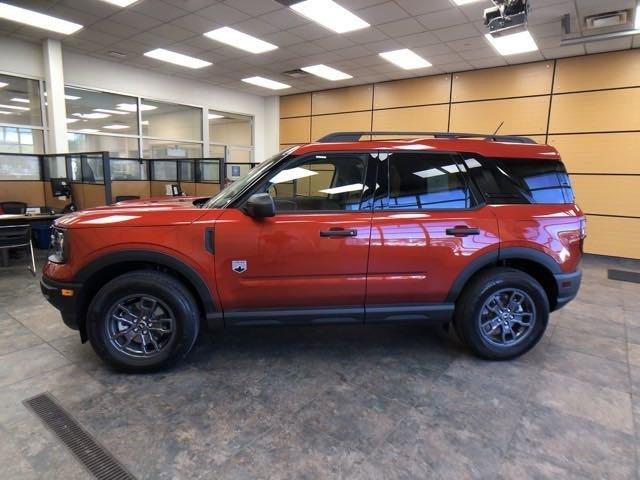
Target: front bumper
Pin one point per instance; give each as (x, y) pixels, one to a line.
(568, 285)
(69, 306)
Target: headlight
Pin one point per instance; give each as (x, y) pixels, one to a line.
(58, 247)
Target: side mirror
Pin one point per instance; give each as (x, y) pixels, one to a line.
(260, 205)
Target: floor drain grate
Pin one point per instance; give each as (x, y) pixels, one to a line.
(93, 456)
(624, 275)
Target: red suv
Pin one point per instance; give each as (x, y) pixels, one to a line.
(478, 231)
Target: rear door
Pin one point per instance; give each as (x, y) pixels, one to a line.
(307, 263)
(427, 226)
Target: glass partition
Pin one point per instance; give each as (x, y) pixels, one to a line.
(164, 170)
(129, 169)
(20, 101)
(208, 171)
(100, 112)
(54, 167)
(21, 140)
(19, 167)
(171, 149)
(171, 121)
(116, 146)
(230, 129)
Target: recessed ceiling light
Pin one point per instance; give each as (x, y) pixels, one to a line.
(327, 72)
(177, 58)
(5, 113)
(2, 84)
(145, 122)
(120, 3)
(67, 97)
(38, 20)
(91, 116)
(266, 83)
(520, 42)
(405, 58)
(240, 40)
(464, 2)
(132, 107)
(116, 127)
(72, 120)
(113, 112)
(330, 15)
(87, 130)
(213, 116)
(20, 100)
(14, 107)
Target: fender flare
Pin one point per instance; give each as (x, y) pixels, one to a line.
(492, 258)
(149, 256)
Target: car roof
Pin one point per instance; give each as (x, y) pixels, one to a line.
(502, 148)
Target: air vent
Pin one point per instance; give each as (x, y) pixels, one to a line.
(297, 73)
(608, 19)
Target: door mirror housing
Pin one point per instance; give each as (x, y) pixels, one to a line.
(260, 205)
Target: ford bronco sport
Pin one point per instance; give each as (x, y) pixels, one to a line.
(478, 231)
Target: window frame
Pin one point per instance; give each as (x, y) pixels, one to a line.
(369, 180)
(477, 200)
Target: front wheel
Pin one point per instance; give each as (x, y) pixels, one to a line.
(142, 321)
(502, 314)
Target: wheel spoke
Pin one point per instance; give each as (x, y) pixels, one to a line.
(507, 317)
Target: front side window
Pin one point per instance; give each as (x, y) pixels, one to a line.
(422, 181)
(322, 182)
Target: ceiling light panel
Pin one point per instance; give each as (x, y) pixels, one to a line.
(266, 83)
(20, 100)
(120, 3)
(133, 107)
(326, 72)
(405, 59)
(38, 20)
(177, 58)
(116, 127)
(14, 107)
(330, 15)
(91, 116)
(464, 2)
(113, 112)
(243, 41)
(88, 130)
(521, 42)
(2, 84)
(213, 116)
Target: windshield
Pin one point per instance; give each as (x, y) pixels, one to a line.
(222, 199)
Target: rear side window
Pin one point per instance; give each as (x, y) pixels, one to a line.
(520, 180)
(423, 181)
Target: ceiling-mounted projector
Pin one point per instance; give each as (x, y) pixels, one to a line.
(507, 17)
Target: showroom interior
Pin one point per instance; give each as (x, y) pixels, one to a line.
(150, 111)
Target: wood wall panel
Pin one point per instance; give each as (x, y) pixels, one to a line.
(349, 99)
(159, 187)
(295, 130)
(593, 72)
(412, 91)
(140, 188)
(599, 152)
(502, 82)
(30, 192)
(207, 189)
(614, 236)
(323, 124)
(295, 105)
(603, 111)
(431, 118)
(189, 188)
(608, 194)
(520, 115)
(51, 201)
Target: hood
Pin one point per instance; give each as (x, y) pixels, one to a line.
(162, 214)
(186, 200)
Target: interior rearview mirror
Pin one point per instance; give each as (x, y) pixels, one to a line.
(260, 205)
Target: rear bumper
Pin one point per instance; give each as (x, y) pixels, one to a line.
(69, 306)
(568, 285)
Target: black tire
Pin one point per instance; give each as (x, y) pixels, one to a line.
(470, 307)
(174, 298)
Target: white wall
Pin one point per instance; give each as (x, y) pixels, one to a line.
(23, 58)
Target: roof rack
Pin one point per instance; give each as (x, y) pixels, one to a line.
(355, 136)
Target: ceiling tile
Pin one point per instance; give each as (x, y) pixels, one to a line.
(334, 42)
(153, 41)
(114, 28)
(488, 62)
(401, 28)
(353, 52)
(442, 19)
(96, 37)
(253, 7)
(474, 11)
(370, 61)
(446, 59)
(609, 45)
(418, 39)
(223, 14)
(73, 15)
(478, 53)
(191, 5)
(551, 13)
(383, 46)
(283, 38)
(307, 48)
(382, 13)
(172, 32)
(310, 31)
(455, 67)
(470, 43)
(456, 33)
(566, 51)
(195, 23)
(129, 47)
(419, 7)
(157, 9)
(284, 19)
(255, 27)
(432, 50)
(524, 57)
(135, 20)
(366, 35)
(99, 9)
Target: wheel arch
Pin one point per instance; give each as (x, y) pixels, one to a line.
(105, 268)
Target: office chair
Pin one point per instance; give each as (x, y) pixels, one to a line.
(14, 208)
(122, 198)
(16, 236)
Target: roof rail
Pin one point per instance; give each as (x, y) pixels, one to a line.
(355, 136)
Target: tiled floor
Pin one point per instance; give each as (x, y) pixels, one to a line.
(337, 402)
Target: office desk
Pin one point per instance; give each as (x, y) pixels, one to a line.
(7, 219)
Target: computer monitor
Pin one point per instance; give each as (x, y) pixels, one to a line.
(60, 187)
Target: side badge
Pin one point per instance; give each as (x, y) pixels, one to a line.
(239, 266)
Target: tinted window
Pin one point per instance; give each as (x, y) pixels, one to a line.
(320, 182)
(518, 180)
(425, 181)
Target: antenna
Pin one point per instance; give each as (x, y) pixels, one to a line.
(499, 126)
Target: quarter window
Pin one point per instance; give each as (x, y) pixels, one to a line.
(425, 181)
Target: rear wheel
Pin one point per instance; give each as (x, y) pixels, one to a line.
(502, 314)
(142, 321)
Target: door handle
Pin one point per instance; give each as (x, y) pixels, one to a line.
(462, 231)
(339, 232)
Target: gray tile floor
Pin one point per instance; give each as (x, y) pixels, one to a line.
(337, 402)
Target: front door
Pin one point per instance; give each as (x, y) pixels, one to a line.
(307, 263)
(427, 227)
